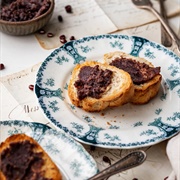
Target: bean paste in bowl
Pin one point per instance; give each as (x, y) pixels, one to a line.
(23, 10)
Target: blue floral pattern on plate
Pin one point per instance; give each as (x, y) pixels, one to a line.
(129, 126)
(70, 156)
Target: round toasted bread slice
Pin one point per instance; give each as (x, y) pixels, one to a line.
(23, 158)
(117, 93)
(145, 91)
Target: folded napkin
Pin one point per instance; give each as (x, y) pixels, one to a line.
(173, 152)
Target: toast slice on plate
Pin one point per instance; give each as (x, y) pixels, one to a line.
(95, 86)
(146, 78)
(22, 158)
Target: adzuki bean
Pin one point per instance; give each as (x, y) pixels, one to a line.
(107, 160)
(42, 31)
(31, 87)
(60, 19)
(23, 10)
(62, 37)
(2, 66)
(68, 9)
(50, 35)
(63, 41)
(72, 38)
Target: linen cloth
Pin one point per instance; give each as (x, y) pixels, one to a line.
(173, 152)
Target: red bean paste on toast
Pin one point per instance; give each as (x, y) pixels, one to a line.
(139, 72)
(19, 161)
(92, 82)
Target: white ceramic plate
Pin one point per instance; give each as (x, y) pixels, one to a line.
(71, 158)
(128, 126)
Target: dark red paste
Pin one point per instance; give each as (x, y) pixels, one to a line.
(92, 82)
(20, 162)
(140, 72)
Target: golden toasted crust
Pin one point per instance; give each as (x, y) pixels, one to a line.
(143, 93)
(117, 93)
(50, 169)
